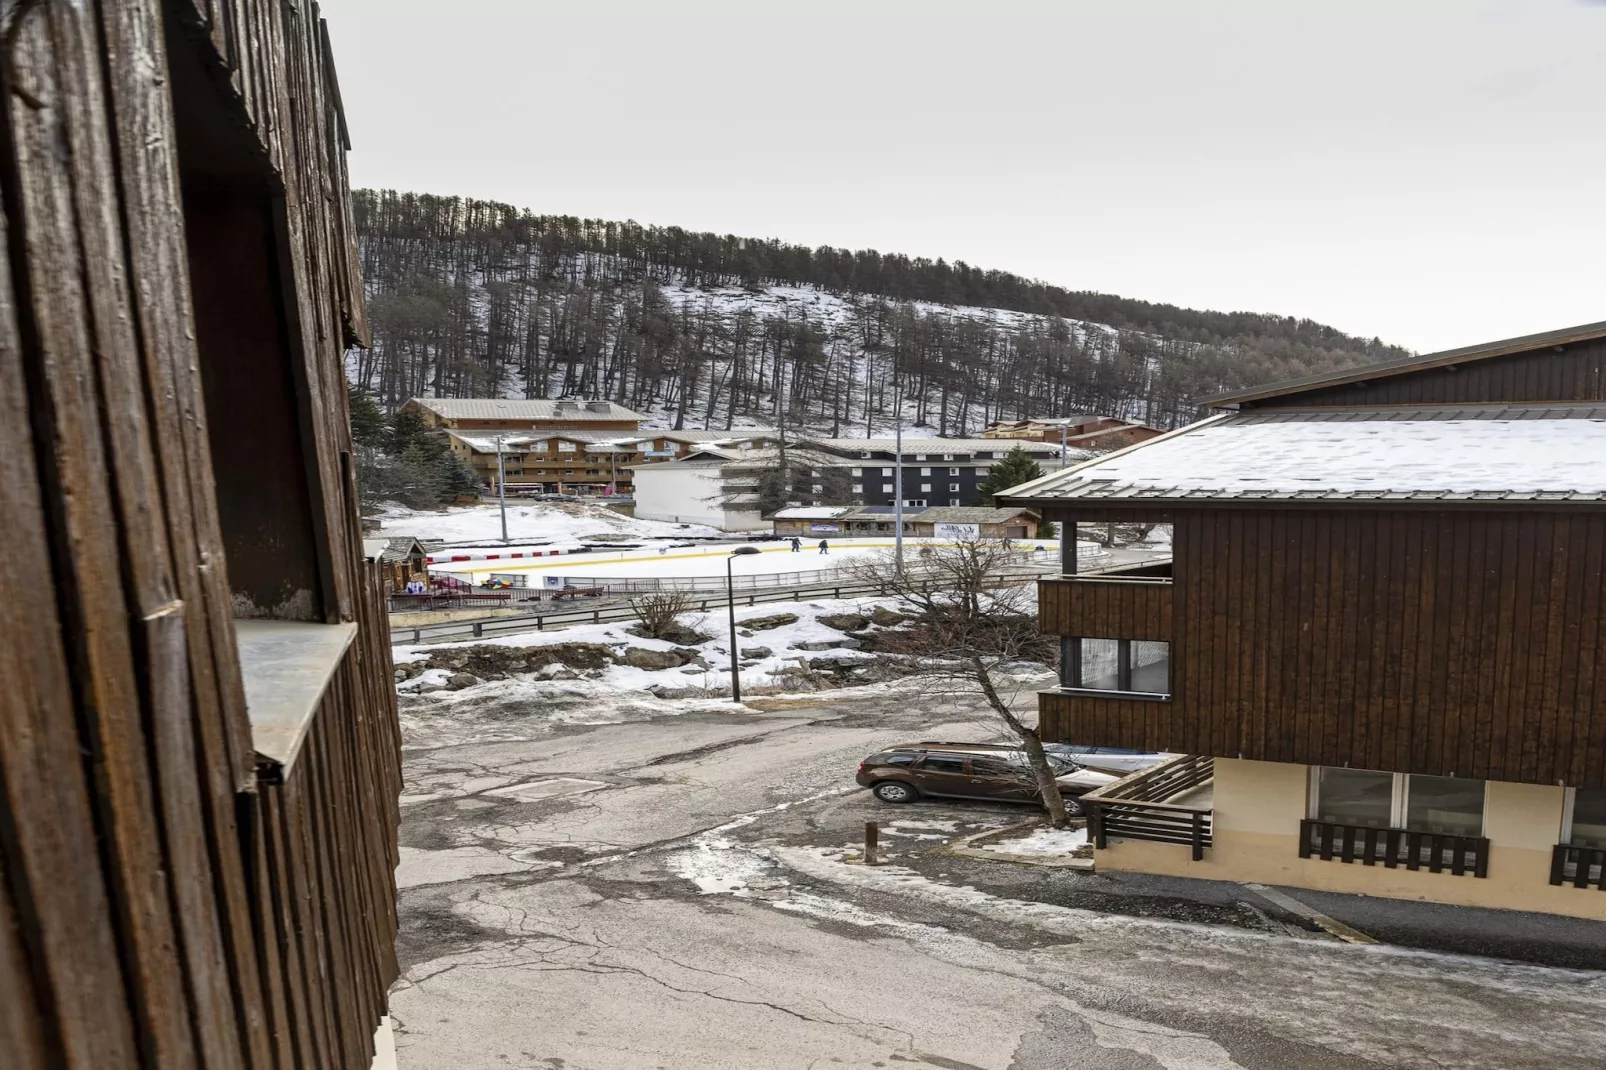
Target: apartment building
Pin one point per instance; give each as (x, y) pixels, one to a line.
(1381, 644)
(199, 752)
(936, 471)
(587, 462)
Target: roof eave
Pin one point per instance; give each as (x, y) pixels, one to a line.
(1484, 351)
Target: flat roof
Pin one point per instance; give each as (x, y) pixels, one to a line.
(1516, 453)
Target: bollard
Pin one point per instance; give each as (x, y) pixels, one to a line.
(872, 838)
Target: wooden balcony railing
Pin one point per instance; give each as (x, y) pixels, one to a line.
(1437, 851)
(1578, 866)
(1136, 807)
(1109, 607)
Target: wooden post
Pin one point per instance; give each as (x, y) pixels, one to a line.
(1068, 547)
(1198, 836)
(872, 839)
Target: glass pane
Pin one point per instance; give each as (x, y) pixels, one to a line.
(1101, 663)
(1151, 667)
(1355, 797)
(1068, 662)
(1444, 804)
(1589, 818)
(943, 765)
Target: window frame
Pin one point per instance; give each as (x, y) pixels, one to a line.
(1071, 668)
(1400, 801)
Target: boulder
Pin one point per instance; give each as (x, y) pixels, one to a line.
(459, 680)
(828, 644)
(843, 622)
(745, 633)
(883, 617)
(757, 652)
(775, 620)
(642, 658)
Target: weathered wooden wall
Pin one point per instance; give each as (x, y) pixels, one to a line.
(1450, 643)
(1576, 372)
(135, 839)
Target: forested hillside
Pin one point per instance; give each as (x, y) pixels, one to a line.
(473, 298)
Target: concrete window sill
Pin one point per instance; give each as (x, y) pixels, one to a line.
(286, 666)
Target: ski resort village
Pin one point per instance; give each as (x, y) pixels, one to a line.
(445, 636)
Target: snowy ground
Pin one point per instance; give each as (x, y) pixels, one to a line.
(1043, 842)
(771, 656)
(528, 523)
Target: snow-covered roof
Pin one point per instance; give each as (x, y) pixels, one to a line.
(812, 512)
(1530, 453)
(514, 441)
(970, 514)
(938, 445)
(524, 409)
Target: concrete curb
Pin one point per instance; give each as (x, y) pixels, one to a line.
(1332, 926)
(962, 847)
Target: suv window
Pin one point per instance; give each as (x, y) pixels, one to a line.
(893, 759)
(943, 765)
(992, 767)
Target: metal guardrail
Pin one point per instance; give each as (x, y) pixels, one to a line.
(512, 625)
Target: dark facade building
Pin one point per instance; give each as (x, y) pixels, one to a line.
(199, 754)
(1381, 646)
(936, 471)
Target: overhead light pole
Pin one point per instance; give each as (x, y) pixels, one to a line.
(501, 486)
(730, 609)
(897, 478)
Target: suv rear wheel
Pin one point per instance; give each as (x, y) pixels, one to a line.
(895, 791)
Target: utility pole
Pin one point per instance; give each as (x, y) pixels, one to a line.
(897, 480)
(501, 486)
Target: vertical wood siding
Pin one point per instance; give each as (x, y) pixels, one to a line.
(1106, 608)
(1466, 644)
(1576, 373)
(159, 907)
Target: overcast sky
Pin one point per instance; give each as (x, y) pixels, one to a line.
(1429, 171)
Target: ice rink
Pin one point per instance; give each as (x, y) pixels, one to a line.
(773, 560)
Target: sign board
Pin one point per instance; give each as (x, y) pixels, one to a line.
(956, 531)
(825, 529)
(554, 581)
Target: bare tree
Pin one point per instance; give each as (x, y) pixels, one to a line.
(975, 627)
(659, 612)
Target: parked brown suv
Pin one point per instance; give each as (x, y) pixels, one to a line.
(970, 771)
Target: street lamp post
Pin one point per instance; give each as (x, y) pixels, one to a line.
(730, 607)
(897, 482)
(501, 489)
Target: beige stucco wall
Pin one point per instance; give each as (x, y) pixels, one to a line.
(1258, 807)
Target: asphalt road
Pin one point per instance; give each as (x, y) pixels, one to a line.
(670, 890)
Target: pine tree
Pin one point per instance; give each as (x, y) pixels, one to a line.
(1016, 468)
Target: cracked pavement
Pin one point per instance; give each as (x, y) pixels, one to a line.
(671, 891)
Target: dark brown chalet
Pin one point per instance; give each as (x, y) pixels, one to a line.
(1382, 640)
(199, 755)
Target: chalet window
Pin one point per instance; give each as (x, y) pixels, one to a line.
(918, 503)
(947, 456)
(858, 471)
(866, 455)
(1137, 666)
(953, 501)
(953, 471)
(1587, 824)
(925, 471)
(886, 488)
(953, 486)
(858, 488)
(1373, 799)
(925, 487)
(565, 447)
